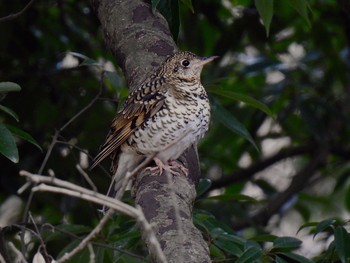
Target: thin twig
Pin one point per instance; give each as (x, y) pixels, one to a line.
(89, 237)
(67, 188)
(42, 243)
(83, 109)
(86, 177)
(2, 260)
(19, 256)
(130, 175)
(48, 154)
(91, 253)
(73, 236)
(13, 16)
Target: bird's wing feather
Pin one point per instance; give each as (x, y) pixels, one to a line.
(138, 108)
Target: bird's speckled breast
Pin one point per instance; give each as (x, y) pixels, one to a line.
(173, 129)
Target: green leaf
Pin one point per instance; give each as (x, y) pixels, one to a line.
(114, 79)
(219, 233)
(309, 224)
(233, 197)
(347, 198)
(8, 146)
(22, 134)
(286, 243)
(154, 4)
(9, 112)
(302, 7)
(265, 9)
(296, 257)
(249, 255)
(243, 98)
(89, 62)
(324, 225)
(215, 252)
(227, 119)
(279, 260)
(228, 247)
(9, 86)
(342, 244)
(60, 232)
(170, 10)
(203, 185)
(264, 238)
(188, 3)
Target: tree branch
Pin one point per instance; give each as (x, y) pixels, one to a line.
(247, 173)
(300, 180)
(140, 40)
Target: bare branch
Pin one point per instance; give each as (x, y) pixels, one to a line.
(70, 189)
(247, 173)
(300, 181)
(15, 15)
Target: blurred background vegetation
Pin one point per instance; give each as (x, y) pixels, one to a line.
(275, 163)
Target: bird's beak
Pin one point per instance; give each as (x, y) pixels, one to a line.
(206, 60)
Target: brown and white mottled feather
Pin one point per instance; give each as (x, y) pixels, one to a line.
(136, 110)
(166, 115)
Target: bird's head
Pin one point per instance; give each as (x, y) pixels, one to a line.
(185, 66)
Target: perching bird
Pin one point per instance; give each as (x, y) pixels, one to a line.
(168, 113)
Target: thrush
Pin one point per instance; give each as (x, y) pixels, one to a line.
(168, 113)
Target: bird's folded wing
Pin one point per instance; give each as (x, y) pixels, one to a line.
(137, 109)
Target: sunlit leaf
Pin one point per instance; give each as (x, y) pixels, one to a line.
(342, 244)
(24, 135)
(9, 112)
(8, 146)
(9, 86)
(265, 9)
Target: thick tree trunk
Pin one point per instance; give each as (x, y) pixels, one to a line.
(140, 40)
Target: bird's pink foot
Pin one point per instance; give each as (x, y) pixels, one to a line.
(170, 167)
(176, 164)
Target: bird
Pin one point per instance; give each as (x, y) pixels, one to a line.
(166, 114)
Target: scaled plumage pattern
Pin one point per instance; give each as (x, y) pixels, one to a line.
(164, 116)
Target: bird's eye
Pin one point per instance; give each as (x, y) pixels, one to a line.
(185, 63)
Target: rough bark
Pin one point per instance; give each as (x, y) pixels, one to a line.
(140, 40)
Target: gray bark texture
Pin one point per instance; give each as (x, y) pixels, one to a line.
(140, 40)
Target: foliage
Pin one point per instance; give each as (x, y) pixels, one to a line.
(8, 146)
(277, 153)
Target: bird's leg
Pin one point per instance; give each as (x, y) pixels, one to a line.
(174, 164)
(168, 167)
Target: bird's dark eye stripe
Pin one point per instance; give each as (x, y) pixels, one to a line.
(185, 63)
